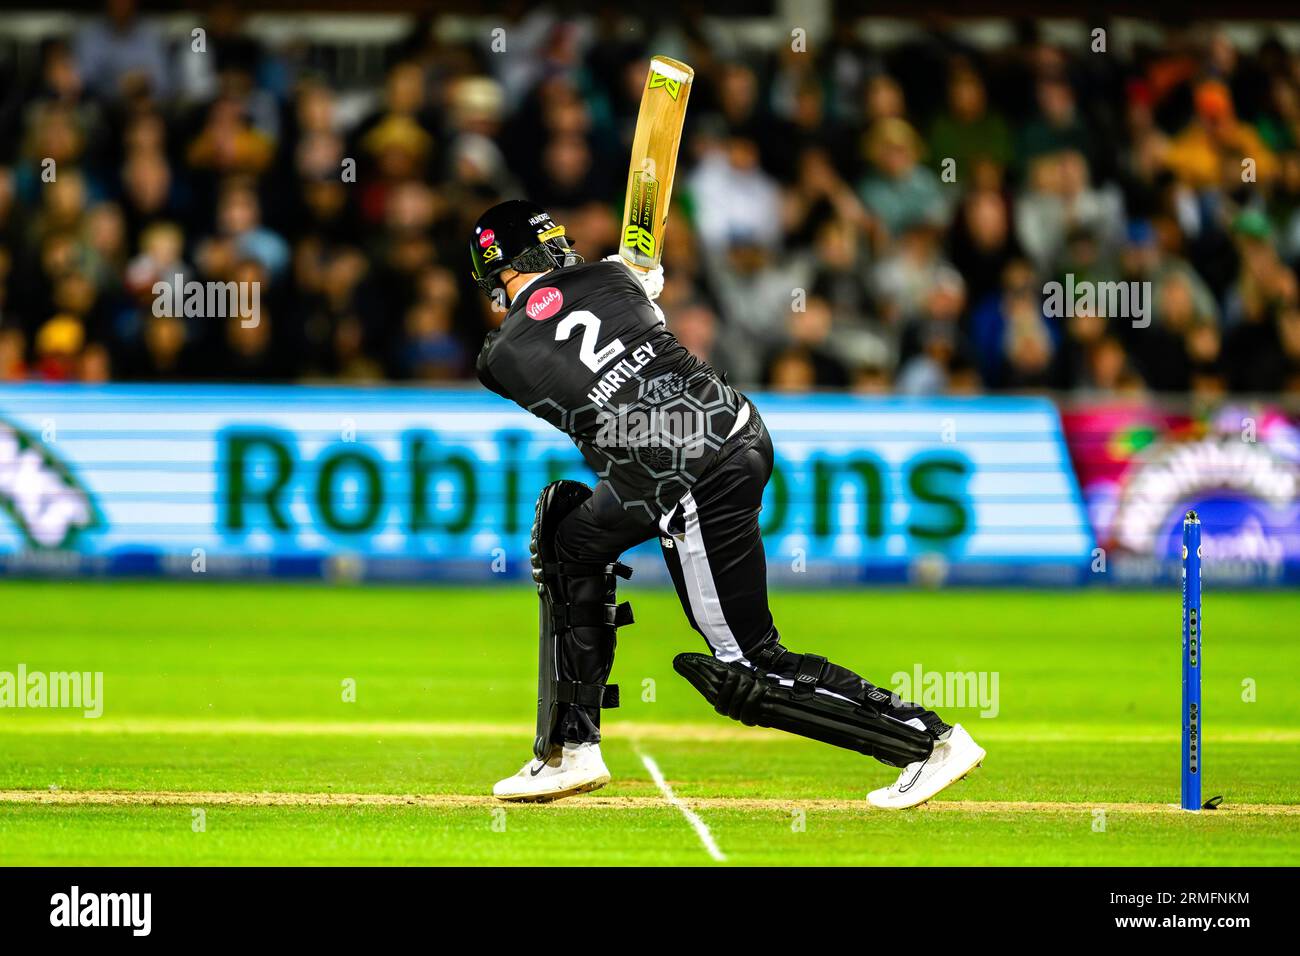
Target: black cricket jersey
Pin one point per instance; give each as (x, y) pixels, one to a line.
(585, 349)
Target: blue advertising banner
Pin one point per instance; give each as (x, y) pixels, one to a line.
(391, 483)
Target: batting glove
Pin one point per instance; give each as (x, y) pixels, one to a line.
(652, 281)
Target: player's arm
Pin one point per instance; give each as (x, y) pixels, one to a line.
(481, 366)
(652, 281)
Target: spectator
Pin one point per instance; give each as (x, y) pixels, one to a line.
(791, 370)
(1014, 344)
(755, 293)
(1058, 128)
(696, 327)
(903, 279)
(239, 218)
(13, 349)
(122, 56)
(982, 243)
(1210, 150)
(969, 132)
(934, 350)
(900, 192)
(58, 348)
(734, 198)
(809, 337)
(1060, 202)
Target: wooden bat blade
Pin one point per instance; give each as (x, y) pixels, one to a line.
(654, 161)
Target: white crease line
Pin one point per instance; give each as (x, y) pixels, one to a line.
(701, 829)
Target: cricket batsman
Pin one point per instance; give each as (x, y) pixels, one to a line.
(681, 456)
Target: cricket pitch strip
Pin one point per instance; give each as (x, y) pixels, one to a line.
(589, 802)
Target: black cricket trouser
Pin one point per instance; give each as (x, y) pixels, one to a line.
(714, 552)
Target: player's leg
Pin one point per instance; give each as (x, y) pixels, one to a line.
(575, 565)
(588, 543)
(714, 552)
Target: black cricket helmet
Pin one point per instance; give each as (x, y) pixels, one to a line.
(519, 235)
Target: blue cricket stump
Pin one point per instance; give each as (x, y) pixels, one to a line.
(1192, 737)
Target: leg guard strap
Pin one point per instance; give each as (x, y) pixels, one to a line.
(592, 615)
(809, 676)
(576, 569)
(604, 696)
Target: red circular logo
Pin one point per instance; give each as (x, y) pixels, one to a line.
(486, 239)
(544, 303)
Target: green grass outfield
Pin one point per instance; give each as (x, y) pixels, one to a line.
(228, 699)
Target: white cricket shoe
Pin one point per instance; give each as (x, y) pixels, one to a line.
(951, 760)
(573, 768)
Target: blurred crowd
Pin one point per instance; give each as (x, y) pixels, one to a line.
(883, 220)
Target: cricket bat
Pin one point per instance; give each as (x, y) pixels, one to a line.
(654, 161)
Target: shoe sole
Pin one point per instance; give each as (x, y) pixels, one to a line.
(553, 795)
(957, 779)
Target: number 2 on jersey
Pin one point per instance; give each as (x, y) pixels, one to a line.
(590, 333)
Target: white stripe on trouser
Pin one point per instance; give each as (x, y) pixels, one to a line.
(700, 587)
(702, 592)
